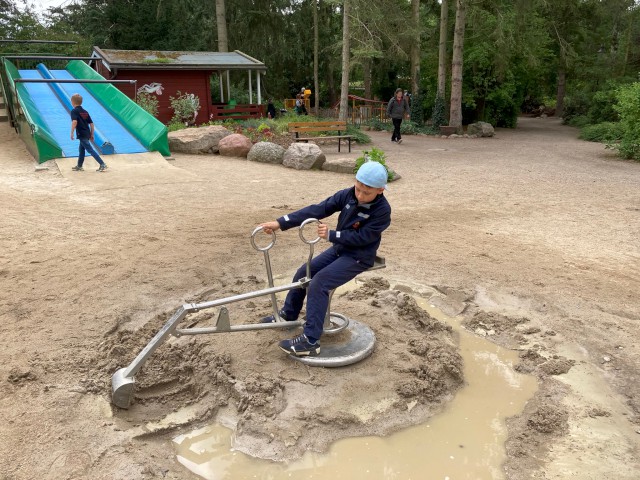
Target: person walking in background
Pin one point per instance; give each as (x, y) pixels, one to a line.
(271, 109)
(397, 108)
(83, 126)
(298, 108)
(300, 102)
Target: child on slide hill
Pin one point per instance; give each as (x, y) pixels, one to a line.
(83, 126)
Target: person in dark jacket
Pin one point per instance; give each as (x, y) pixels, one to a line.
(364, 215)
(271, 110)
(397, 108)
(82, 125)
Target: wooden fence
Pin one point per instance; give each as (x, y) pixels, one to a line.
(236, 112)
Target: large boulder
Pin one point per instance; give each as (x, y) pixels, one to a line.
(201, 140)
(340, 165)
(235, 145)
(481, 129)
(303, 156)
(266, 152)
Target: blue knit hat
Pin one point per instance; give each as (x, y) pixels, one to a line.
(372, 174)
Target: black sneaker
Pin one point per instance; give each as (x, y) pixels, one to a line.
(102, 168)
(300, 346)
(77, 169)
(272, 318)
(399, 140)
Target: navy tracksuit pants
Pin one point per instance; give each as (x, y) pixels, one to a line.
(328, 271)
(85, 145)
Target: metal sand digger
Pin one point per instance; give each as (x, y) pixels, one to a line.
(355, 346)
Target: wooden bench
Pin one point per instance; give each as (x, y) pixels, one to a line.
(305, 128)
(236, 112)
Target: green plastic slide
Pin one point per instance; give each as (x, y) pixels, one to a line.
(30, 125)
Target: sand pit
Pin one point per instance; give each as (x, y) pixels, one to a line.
(531, 237)
(125, 171)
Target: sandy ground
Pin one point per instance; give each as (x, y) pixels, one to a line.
(531, 236)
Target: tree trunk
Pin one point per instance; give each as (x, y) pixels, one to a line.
(455, 112)
(562, 78)
(346, 52)
(415, 48)
(221, 24)
(223, 43)
(329, 62)
(442, 49)
(316, 81)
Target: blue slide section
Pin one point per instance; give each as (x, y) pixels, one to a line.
(104, 146)
(56, 115)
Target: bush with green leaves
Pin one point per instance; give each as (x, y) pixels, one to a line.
(378, 125)
(374, 155)
(578, 121)
(602, 106)
(439, 116)
(251, 122)
(417, 110)
(358, 135)
(175, 126)
(576, 104)
(280, 125)
(628, 107)
(185, 108)
(149, 103)
(501, 108)
(605, 132)
(409, 128)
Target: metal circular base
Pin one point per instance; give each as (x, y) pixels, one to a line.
(338, 323)
(355, 344)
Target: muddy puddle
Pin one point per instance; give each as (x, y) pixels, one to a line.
(465, 441)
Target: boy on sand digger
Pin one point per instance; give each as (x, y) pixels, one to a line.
(364, 215)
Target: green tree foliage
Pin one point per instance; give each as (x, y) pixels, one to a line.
(439, 115)
(516, 53)
(417, 109)
(19, 24)
(629, 109)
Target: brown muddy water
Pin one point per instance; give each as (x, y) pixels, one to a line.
(464, 442)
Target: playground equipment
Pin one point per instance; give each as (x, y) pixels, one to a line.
(38, 102)
(361, 110)
(356, 343)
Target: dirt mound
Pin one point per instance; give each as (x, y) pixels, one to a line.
(511, 229)
(280, 407)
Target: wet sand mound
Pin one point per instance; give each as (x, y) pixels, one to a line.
(279, 407)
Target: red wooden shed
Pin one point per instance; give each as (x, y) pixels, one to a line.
(167, 72)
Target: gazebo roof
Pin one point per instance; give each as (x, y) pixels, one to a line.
(174, 60)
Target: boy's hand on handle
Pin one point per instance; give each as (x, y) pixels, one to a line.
(323, 230)
(270, 227)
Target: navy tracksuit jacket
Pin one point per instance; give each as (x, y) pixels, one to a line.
(355, 243)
